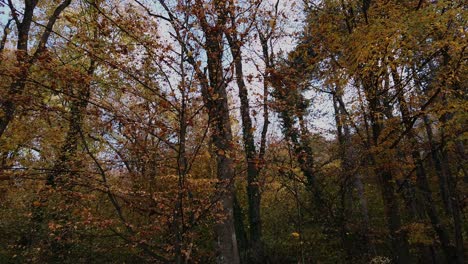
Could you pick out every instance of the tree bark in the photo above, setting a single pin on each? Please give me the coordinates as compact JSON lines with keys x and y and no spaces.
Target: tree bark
{"x":215,"y":97}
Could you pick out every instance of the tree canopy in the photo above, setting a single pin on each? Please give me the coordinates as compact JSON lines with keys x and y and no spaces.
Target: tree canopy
{"x":236,"y":131}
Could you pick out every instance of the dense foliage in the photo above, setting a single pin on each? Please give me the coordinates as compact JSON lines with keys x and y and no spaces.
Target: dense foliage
{"x":235,"y":131}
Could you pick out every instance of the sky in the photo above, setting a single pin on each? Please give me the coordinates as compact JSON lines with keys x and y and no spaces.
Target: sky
{"x":3,"y":14}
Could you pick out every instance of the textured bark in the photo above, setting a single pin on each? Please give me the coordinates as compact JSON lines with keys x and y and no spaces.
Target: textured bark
{"x":68,"y":150}
{"x":227,"y":251}
{"x":269,"y":64}
{"x":215,"y":97}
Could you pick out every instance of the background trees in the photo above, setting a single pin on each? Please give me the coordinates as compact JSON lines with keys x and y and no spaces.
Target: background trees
{"x":233,"y":131}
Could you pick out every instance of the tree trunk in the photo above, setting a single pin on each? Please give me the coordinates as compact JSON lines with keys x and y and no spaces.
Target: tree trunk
{"x":241,"y":234}
{"x":351,"y":179}
{"x":398,"y":236}
{"x":422,"y":182}
{"x":215,"y":97}
{"x":441,"y":173}
{"x":253,"y":163}
{"x":456,"y":211}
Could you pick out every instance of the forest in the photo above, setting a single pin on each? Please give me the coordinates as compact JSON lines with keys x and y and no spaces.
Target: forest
{"x":233,"y":131}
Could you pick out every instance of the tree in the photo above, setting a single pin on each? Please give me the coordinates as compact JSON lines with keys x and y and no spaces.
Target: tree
{"x":24,"y":60}
{"x":207,"y":131}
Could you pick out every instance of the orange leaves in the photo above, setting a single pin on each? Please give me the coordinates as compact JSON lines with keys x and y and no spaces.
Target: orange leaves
{"x":221,"y":152}
{"x":295,"y":235}
{"x":54,"y":226}
{"x":164,"y":104}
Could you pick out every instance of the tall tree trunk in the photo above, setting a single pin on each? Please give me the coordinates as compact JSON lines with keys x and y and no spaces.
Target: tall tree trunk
{"x":422,"y":182}
{"x":398,"y":236}
{"x":345,"y":179}
{"x":452,"y":180}
{"x":452,"y":190}
{"x":214,"y":93}
{"x":441,"y":173}
{"x":182,"y":168}
{"x":350,"y":180}
{"x":253,"y":163}
{"x":227,"y":251}
{"x":456,"y":210}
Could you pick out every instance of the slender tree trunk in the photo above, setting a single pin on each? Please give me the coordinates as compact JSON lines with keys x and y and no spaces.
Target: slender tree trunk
{"x":452,"y":180}
{"x":422,"y":182}
{"x":253,"y":163}
{"x":456,"y":211}
{"x":346,"y":178}
{"x":365,"y":228}
{"x":351,"y":166}
{"x":182,"y":171}
{"x":441,"y":173}
{"x":453,"y":194}
{"x":350,"y":180}
{"x":398,"y":236}
{"x":457,"y":222}
{"x":241,"y":234}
